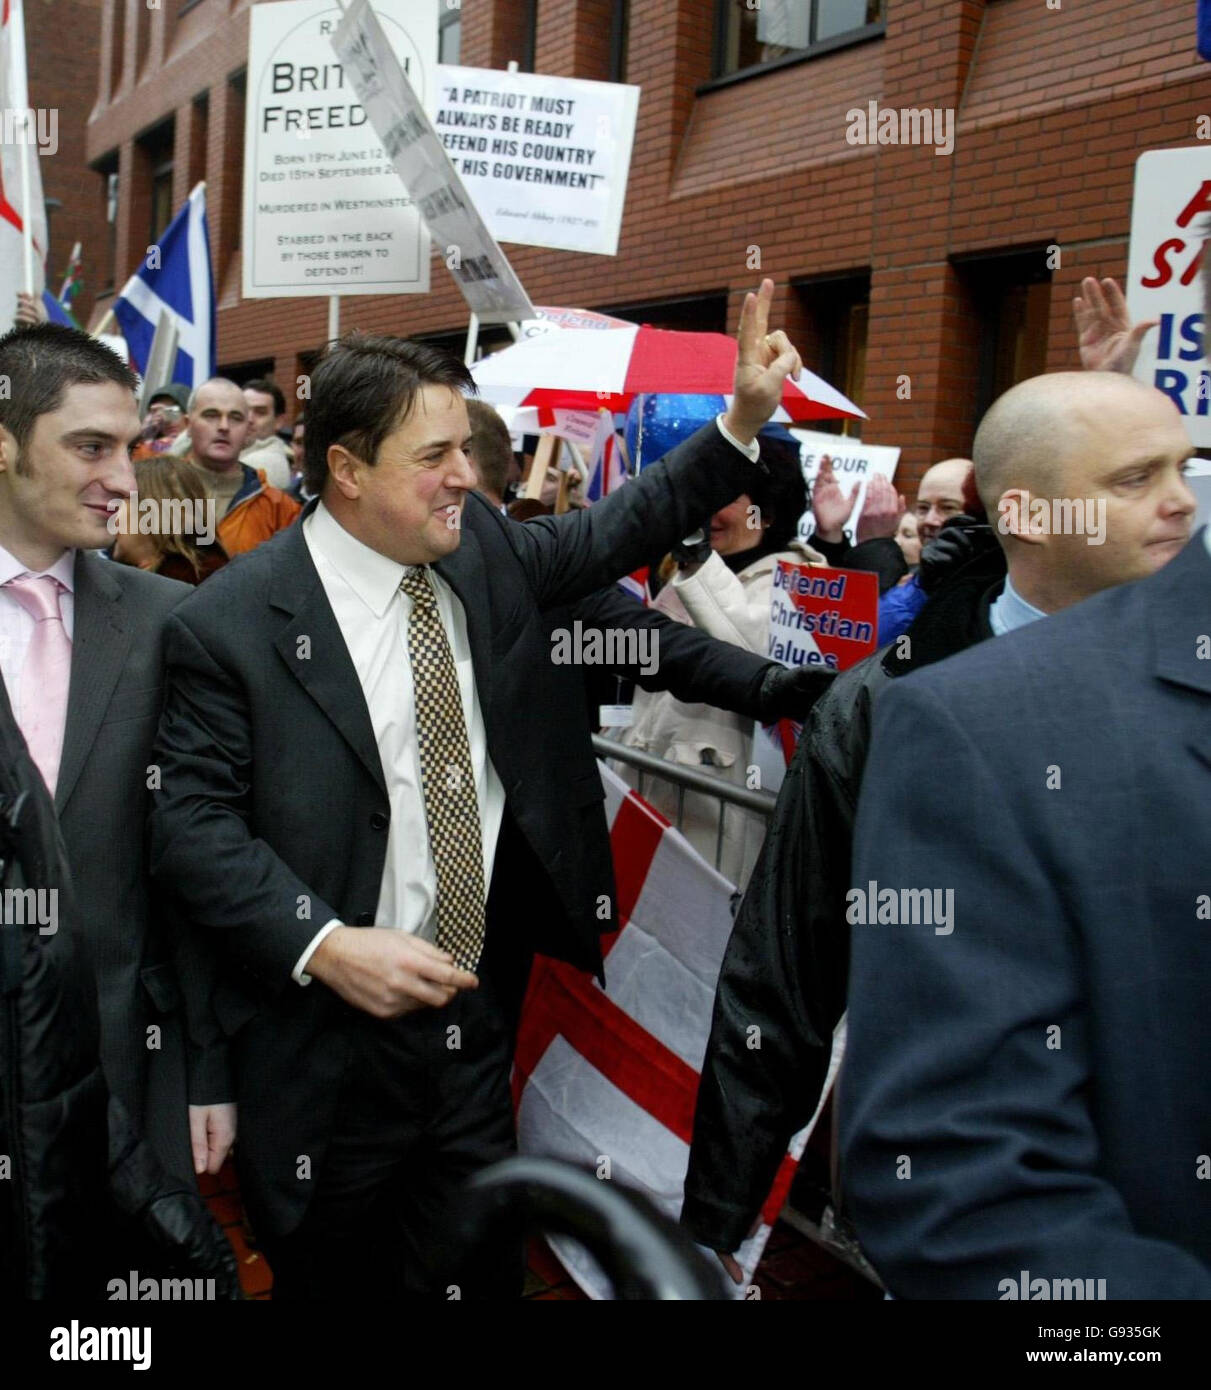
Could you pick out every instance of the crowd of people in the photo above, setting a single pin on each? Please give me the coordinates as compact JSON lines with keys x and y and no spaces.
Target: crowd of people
{"x":267,"y":752}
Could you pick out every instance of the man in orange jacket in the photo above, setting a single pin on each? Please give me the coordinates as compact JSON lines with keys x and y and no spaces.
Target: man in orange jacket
{"x":249,"y":509}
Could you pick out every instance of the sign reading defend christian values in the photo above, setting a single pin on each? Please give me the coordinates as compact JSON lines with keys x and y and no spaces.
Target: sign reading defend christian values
{"x":397,"y":113}
{"x":545,"y":158}
{"x":854,"y":464}
{"x":324,"y":212}
{"x":1171,"y":203}
{"x":823,"y":617}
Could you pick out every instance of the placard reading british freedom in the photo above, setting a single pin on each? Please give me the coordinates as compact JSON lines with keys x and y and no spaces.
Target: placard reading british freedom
{"x":324,"y":211}
{"x":396,"y":111}
{"x":545,"y":158}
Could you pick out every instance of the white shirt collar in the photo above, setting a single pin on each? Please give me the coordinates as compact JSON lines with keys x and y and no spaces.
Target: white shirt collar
{"x":373,"y":577}
{"x":63,"y":569}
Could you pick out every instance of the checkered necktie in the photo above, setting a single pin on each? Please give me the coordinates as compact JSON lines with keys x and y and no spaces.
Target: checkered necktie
{"x":451,"y":806}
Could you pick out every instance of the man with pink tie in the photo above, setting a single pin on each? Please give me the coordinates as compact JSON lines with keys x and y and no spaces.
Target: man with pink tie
{"x":80,"y":653}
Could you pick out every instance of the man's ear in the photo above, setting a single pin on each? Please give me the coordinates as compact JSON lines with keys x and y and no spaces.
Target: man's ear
{"x":8,"y":449}
{"x":345,"y":469}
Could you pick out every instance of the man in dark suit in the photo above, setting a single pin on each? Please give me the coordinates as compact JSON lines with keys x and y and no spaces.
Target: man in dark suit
{"x":1025,"y":1101}
{"x":377,"y":804}
{"x":81,"y":647}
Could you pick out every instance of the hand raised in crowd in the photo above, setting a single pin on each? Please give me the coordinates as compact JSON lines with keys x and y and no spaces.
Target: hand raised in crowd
{"x":831,"y":505}
{"x":30,"y":310}
{"x":385,"y":972}
{"x":763,"y":362}
{"x":882,"y":510}
{"x":1109,"y":342}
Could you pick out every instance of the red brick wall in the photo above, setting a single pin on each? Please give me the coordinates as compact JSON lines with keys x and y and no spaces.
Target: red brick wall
{"x":63,"y":56}
{"x":1053,"y":108}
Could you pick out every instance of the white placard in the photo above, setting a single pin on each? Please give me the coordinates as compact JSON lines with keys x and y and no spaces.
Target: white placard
{"x":545,"y":158}
{"x":853,"y":463}
{"x":397,"y":113}
{"x":324,"y":212}
{"x":1171,"y":203}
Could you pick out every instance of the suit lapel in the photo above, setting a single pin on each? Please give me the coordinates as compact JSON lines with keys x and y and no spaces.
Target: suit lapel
{"x":101,"y":639}
{"x":314,"y":650}
{"x":465,"y":572}
{"x":1179,"y":598}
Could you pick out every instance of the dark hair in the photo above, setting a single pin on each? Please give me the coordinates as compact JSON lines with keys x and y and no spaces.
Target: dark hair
{"x":39,"y":362}
{"x":782,"y":494}
{"x":362,"y":388}
{"x":267,"y":388}
{"x":491,"y":447}
{"x":299,"y":419}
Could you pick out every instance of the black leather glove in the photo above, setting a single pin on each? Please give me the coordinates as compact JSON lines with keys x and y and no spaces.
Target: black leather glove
{"x":694,"y":550}
{"x":171,"y":1216}
{"x":789,"y":692}
{"x":960,"y":538}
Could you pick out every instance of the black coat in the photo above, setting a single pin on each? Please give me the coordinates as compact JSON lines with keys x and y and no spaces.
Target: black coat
{"x":272,"y":814}
{"x":1042,"y":1065}
{"x":787,"y":961}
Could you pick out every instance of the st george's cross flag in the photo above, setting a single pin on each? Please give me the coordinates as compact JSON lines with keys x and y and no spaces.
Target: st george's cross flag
{"x":19,"y":146}
{"x":612,"y":1074}
{"x":174,"y":278}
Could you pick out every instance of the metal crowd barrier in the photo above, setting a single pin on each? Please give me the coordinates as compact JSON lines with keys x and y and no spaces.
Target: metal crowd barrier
{"x":688,"y":779}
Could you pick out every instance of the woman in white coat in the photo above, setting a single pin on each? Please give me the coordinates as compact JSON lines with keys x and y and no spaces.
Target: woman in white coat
{"x":723,"y":587}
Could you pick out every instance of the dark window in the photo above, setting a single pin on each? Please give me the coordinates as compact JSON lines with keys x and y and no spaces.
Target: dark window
{"x":1011,"y":297}
{"x":107,"y":171}
{"x":837,"y":313}
{"x":620,"y":35}
{"x":752,"y":35}
{"x":530,"y":42}
{"x":705,"y":313}
{"x":156,"y":151}
{"x":449,"y":35}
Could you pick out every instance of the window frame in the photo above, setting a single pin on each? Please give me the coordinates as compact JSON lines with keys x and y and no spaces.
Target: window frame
{"x":865,"y":34}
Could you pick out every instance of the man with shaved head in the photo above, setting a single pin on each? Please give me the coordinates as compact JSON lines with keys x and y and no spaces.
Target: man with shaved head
{"x":1120,"y":449}
{"x":250,"y":510}
{"x":1036,"y":1064}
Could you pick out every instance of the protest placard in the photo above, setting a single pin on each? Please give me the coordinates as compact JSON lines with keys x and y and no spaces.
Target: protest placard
{"x":324,"y":212}
{"x":822,"y":617}
{"x":396,"y":111}
{"x":854,"y":463}
{"x":1171,"y":203}
{"x":545,"y":158}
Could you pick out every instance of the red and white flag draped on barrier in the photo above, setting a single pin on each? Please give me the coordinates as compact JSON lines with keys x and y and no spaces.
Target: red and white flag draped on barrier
{"x":19,"y":148}
{"x":613,"y":1074}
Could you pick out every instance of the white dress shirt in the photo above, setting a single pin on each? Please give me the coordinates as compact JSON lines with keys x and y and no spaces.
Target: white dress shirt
{"x":363,"y":588}
{"x":17,"y":626}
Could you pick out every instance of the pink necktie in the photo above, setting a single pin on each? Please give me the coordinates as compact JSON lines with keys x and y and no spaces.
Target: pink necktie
{"x":47,"y":673}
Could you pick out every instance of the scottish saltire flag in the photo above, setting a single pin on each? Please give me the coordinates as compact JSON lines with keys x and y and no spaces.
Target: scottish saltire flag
{"x":57,"y":311}
{"x":14,"y":100}
{"x":175,"y":279}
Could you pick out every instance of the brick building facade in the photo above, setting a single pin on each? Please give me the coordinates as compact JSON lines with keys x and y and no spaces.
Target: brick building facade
{"x":924,"y":282}
{"x":62,"y":41}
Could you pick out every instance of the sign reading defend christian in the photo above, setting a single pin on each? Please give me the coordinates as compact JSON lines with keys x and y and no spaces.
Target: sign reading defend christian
{"x":545,"y":158}
{"x":823,"y":617}
{"x":1170,"y":206}
{"x":324,"y":212}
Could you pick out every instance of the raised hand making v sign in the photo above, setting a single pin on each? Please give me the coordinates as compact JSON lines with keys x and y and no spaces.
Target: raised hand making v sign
{"x":763,"y":363}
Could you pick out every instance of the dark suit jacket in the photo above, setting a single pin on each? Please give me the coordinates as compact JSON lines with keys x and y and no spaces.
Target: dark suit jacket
{"x":1044,"y":1066}
{"x":102,"y":800}
{"x":272,"y":816}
